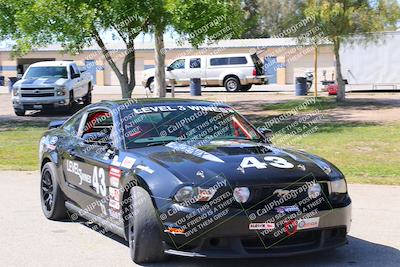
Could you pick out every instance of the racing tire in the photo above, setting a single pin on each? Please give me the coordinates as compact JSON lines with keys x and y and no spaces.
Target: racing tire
{"x":144,"y":231}
{"x":51,"y":197}
{"x":245,"y":88}
{"x":19,"y":112}
{"x":88,"y":98}
{"x":232,"y":84}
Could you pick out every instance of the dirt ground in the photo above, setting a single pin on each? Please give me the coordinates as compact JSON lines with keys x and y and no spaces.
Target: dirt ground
{"x":360,"y":107}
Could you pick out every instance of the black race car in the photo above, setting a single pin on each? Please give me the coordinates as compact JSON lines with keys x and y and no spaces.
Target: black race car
{"x":190,"y":178}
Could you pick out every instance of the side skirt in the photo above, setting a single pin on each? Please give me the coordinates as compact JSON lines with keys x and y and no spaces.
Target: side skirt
{"x":95,"y":219}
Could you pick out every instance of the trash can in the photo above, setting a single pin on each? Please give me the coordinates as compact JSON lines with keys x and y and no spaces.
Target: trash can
{"x":195,"y":86}
{"x":301,"y":86}
{"x":11,"y":81}
{"x":1,"y":80}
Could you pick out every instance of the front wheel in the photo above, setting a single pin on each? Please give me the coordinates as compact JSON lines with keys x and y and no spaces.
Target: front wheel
{"x":19,"y":112}
{"x":232,"y":84}
{"x":144,"y":233}
{"x":51,"y":196}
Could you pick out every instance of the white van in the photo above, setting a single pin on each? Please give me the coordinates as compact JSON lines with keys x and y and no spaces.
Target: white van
{"x":236,"y":72}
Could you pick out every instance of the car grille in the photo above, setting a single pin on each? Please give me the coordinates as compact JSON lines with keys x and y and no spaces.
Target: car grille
{"x":37,"y":92}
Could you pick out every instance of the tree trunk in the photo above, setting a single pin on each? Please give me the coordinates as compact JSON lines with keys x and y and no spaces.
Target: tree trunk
{"x":341,"y":94}
{"x":160,"y":84}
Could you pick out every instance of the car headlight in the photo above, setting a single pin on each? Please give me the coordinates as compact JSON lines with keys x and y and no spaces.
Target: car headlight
{"x":194,"y":194}
{"x":314,"y":191}
{"x":241,"y":194}
{"x":15,"y":91}
{"x":339,"y":186}
{"x":60,"y":91}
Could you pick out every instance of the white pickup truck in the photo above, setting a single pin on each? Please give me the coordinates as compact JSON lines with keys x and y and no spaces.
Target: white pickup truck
{"x":236,"y":72}
{"x":51,"y":84}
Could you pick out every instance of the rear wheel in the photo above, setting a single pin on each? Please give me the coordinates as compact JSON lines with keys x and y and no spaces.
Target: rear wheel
{"x":245,"y":88}
{"x":19,"y":112}
{"x":51,"y":196}
{"x":88,"y":98}
{"x":232,"y":84}
{"x":144,"y":231}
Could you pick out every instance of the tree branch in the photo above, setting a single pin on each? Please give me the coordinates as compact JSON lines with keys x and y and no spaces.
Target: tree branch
{"x":107,"y":54}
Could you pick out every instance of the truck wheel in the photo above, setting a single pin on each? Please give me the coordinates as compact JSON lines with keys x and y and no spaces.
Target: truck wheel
{"x":51,"y":196}
{"x":245,"y":88}
{"x":19,"y":112}
{"x":150,"y":85}
{"x":232,"y":84}
{"x":88,"y":98}
{"x":144,"y":233}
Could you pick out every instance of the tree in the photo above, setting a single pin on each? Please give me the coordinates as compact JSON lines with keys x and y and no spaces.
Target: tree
{"x":196,"y":22}
{"x":76,"y":24}
{"x":351,"y":20}
{"x":266,"y":18}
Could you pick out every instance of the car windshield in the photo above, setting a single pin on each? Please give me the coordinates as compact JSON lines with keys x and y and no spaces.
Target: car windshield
{"x":192,"y":124}
{"x":47,"y":72}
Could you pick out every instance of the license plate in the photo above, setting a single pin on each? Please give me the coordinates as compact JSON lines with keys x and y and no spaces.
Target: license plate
{"x":261,"y":226}
{"x":37,"y":106}
{"x":307,"y":223}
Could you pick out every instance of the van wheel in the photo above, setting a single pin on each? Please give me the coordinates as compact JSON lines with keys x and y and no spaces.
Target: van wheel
{"x":232,"y":84}
{"x":245,"y":88}
{"x":144,"y":232}
{"x":19,"y":112}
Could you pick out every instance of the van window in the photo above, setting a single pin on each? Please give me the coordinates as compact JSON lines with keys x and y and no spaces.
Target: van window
{"x":178,"y":64}
{"x":195,"y":63}
{"x":237,"y":60}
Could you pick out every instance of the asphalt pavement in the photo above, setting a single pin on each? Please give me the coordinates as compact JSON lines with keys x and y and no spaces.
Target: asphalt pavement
{"x":28,"y":239}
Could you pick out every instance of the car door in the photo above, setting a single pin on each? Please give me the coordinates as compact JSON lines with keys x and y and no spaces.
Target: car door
{"x":88,"y":164}
{"x":178,"y":71}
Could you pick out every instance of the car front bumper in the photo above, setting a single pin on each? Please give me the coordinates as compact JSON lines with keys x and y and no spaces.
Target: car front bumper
{"x":231,"y":237}
{"x":37,"y":103}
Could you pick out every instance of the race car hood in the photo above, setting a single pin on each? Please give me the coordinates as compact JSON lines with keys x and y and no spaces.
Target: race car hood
{"x":240,"y":162}
{"x":41,"y":82}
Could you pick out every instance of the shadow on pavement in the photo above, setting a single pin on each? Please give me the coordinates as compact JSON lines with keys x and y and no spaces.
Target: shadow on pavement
{"x":358,"y":252}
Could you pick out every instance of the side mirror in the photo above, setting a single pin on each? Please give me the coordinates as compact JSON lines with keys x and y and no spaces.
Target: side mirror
{"x":169,"y":68}
{"x":75,"y":75}
{"x":267,"y":133}
{"x":55,"y":124}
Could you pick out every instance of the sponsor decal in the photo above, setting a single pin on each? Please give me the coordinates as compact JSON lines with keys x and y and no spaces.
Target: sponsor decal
{"x":194,"y":151}
{"x":287,"y":209}
{"x":307,"y":223}
{"x":283,"y":192}
{"x":156,"y":109}
{"x":291,"y":227}
{"x":145,"y":168}
{"x":128,"y":162}
{"x":114,"y":193}
{"x":115,"y":175}
{"x":261,"y":226}
{"x":115,"y":161}
{"x":114,"y":204}
{"x":73,"y":167}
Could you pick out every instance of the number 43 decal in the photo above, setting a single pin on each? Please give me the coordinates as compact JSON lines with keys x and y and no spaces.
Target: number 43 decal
{"x":252,"y":162}
{"x":99,"y":181}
